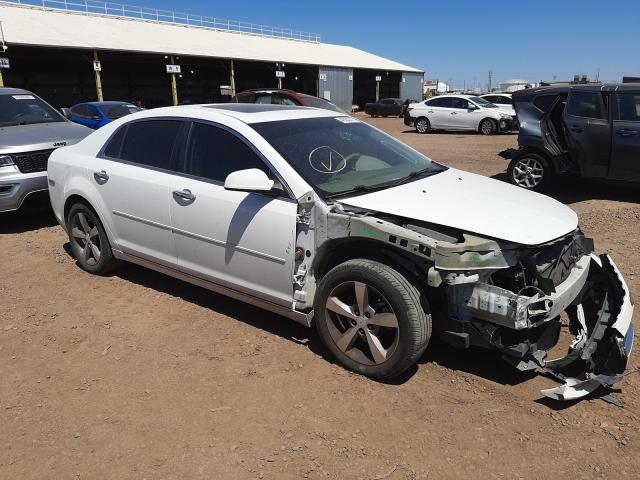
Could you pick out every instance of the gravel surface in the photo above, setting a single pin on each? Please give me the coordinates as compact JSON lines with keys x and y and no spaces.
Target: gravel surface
{"x":137,"y":375}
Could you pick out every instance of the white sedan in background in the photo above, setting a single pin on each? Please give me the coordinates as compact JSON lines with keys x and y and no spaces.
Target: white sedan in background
{"x":331,"y":222}
{"x":458,"y":112}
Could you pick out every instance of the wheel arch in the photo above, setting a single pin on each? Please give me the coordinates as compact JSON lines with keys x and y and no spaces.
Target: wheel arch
{"x":495,"y":122}
{"x":337,"y":251}
{"x":540,"y":152}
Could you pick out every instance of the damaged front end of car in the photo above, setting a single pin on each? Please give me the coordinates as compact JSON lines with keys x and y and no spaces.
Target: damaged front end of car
{"x":516,"y":298}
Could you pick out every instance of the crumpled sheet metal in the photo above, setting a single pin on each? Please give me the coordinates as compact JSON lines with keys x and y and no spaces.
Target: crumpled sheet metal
{"x":575,"y":388}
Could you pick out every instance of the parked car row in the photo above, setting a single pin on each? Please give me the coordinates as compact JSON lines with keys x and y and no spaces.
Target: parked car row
{"x":459,"y":112}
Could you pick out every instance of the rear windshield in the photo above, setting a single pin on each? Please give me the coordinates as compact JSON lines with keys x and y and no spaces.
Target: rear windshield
{"x":25,"y":109}
{"x":316,"y":102}
{"x":482,"y":102}
{"x":119,"y":111}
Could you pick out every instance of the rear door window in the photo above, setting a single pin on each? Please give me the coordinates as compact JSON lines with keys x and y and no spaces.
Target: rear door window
{"x":629,"y":107}
{"x":150,"y":143}
{"x":544,"y":102}
{"x":586,"y":105}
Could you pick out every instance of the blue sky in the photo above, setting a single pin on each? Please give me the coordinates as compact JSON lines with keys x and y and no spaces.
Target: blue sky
{"x":462,"y":40}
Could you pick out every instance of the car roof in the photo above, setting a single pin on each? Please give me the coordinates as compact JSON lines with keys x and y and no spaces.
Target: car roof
{"x":98,"y":104}
{"x":13,"y":91}
{"x":455,"y":95}
{"x":245,"y":112}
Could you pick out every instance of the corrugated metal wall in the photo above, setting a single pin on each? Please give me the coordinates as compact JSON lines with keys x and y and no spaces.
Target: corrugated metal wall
{"x":336,"y":85}
{"x":411,"y":86}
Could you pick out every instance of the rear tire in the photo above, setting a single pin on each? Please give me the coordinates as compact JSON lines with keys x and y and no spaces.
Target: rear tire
{"x":89,"y":242}
{"x":423,"y":125}
{"x":488,"y":126}
{"x":530,"y":171}
{"x":390,"y":335}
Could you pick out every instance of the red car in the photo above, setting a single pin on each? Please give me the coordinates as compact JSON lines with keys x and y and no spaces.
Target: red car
{"x":277,"y":96}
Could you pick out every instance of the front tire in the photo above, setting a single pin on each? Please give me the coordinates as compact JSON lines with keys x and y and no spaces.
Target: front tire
{"x":530,"y":171}
{"x":488,"y":127}
{"x":371,"y":318}
{"x":423,"y":125}
{"x":88,"y":240}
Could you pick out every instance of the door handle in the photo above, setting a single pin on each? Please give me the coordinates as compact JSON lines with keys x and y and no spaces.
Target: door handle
{"x":576,"y":129}
{"x":454,"y":113}
{"x":184,"y":195}
{"x":626,"y":132}
{"x":101,"y":176}
{"x":430,"y":111}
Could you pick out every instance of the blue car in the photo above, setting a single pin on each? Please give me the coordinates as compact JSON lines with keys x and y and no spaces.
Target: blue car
{"x":96,"y":114}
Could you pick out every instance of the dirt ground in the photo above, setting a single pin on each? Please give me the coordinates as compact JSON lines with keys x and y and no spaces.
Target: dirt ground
{"x":141,"y":376}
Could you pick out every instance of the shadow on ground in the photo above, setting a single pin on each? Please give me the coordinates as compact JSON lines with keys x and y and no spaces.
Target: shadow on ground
{"x":572,"y":190}
{"x":35,"y":213}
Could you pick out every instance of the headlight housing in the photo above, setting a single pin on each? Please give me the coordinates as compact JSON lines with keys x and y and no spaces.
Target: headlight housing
{"x":6,"y":161}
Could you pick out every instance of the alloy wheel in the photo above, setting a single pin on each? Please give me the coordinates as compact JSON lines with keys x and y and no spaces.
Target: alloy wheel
{"x":528,"y":172}
{"x":421,"y":125}
{"x":487,"y":127}
{"x":362,"y":323}
{"x":86,"y":237}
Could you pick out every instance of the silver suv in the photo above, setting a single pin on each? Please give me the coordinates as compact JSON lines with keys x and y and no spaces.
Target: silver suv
{"x":30,"y":129}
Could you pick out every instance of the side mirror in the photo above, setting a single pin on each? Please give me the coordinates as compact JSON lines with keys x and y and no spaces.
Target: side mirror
{"x":472,"y":106}
{"x":249,"y":180}
{"x":66,"y":112}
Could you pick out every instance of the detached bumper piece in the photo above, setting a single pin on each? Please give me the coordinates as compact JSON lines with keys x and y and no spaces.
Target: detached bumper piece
{"x":604,"y":335}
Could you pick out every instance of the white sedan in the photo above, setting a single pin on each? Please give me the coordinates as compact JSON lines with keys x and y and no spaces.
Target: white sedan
{"x":326,"y":220}
{"x":458,"y":112}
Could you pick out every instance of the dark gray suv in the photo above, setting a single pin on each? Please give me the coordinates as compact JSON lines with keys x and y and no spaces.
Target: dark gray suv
{"x":591,"y":131}
{"x":30,"y":129}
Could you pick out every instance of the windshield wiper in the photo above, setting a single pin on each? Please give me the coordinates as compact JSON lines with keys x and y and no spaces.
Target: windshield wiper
{"x":393,"y":183}
{"x":414,"y":174}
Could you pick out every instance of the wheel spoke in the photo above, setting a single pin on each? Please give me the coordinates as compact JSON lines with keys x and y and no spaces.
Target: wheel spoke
{"x":95,"y":251}
{"x":93,"y":232}
{"x":83,"y":222}
{"x":86,"y":252}
{"x":347,"y":339}
{"x":362,"y":296}
{"x":384,"y":320}
{"x":378,"y":352}
{"x":338,"y":306}
{"x":77,"y":233}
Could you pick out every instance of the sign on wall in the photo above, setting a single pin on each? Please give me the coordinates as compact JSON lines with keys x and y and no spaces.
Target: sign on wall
{"x":378,"y":78}
{"x":96,"y":66}
{"x":173,"y":68}
{"x":351,"y":78}
{"x":4,"y":62}
{"x":323,"y":76}
{"x":279,"y":73}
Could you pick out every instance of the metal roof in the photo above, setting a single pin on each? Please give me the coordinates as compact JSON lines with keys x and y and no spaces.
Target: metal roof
{"x":36,"y":26}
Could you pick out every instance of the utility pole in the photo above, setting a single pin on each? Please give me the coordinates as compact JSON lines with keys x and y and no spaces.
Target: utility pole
{"x":233,"y":79}
{"x":174,"y":86}
{"x":490,"y":78}
{"x":97,"y":68}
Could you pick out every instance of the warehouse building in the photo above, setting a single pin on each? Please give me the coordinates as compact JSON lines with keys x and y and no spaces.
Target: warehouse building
{"x":70,"y":51}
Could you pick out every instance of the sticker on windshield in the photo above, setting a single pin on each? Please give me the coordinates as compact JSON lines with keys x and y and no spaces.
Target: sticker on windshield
{"x":326,"y":160}
{"x":24,"y":97}
{"x":347,"y":120}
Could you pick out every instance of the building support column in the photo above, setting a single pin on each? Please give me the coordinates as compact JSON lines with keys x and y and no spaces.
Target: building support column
{"x":377,"y":91}
{"x":98,"y":78}
{"x":174,"y":86}
{"x":1,"y":79}
{"x":233,"y":79}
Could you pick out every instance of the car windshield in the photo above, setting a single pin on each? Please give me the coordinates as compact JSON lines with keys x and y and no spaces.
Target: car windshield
{"x":25,"y":109}
{"x":341,"y":155}
{"x":482,"y":102}
{"x":119,"y":110}
{"x":316,"y":102}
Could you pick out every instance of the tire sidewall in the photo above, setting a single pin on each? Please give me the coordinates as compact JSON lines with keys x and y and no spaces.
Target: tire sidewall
{"x":106,"y":255}
{"x":404,"y":313}
{"x":547,"y":172}
{"x":428,"y":126}
{"x":492,"y":122}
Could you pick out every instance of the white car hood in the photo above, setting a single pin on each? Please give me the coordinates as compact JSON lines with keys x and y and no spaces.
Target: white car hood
{"x":474,"y":204}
